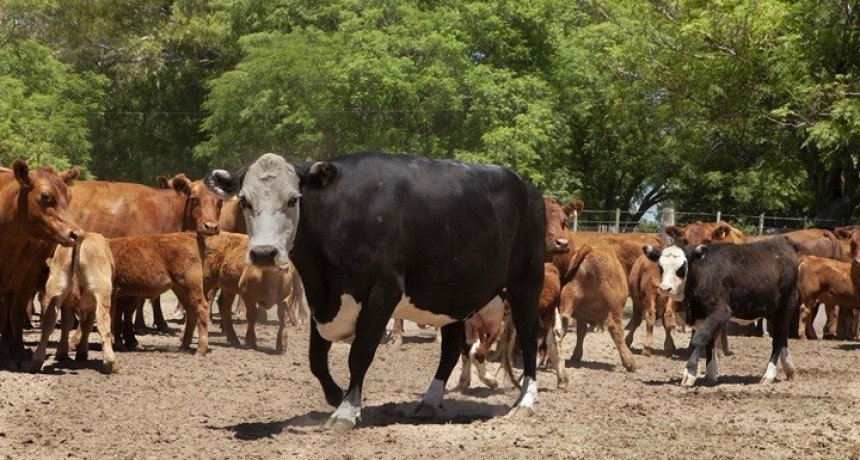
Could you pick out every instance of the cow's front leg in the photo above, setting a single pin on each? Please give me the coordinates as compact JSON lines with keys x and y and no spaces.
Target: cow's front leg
{"x":318,"y":349}
{"x":452,"y":344}
{"x":703,"y":337}
{"x":369,"y":329}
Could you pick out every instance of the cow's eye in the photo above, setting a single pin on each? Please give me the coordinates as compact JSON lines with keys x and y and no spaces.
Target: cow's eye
{"x":244,"y":204}
{"x":292,"y":202}
{"x":682,"y":272}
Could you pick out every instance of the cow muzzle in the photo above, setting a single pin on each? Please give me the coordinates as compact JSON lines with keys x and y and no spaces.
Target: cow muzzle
{"x":209,"y":228}
{"x":263,"y":255}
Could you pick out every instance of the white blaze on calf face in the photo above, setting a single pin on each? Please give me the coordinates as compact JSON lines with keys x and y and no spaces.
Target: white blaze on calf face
{"x":673,"y":268}
{"x":270,"y":201}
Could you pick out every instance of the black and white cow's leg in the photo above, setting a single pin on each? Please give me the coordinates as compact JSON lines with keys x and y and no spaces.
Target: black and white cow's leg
{"x":524,"y":313}
{"x":318,"y":349}
{"x":780,"y":349}
{"x":369,"y":329}
{"x":465,"y":361}
{"x":452,"y":345}
{"x":712,"y":372}
{"x":703,"y":337}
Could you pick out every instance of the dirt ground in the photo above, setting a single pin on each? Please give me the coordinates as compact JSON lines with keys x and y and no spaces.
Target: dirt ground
{"x":255,"y":404}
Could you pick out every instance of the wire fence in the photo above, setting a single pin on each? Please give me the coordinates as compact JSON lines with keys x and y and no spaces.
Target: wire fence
{"x":618,"y":221}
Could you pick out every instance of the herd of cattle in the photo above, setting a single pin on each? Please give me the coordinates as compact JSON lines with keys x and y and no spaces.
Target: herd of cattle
{"x":472,"y":249}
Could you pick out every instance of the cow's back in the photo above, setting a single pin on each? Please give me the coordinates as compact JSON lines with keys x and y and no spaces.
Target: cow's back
{"x":745,"y":275}
{"x":456,"y":232}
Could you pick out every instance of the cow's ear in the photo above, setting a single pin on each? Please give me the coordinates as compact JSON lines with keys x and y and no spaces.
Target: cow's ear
{"x":721,"y":231}
{"x":575,"y":204}
{"x":700,"y":251}
{"x":651,"y":253}
{"x":162,"y":182}
{"x":22,"y":172}
{"x":842,"y":233}
{"x":674,"y":232}
{"x":225,"y":183}
{"x":319,"y":175}
{"x":69,"y":176}
{"x":181,"y":184}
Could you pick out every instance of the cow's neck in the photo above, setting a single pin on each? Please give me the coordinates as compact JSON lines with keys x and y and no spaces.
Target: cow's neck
{"x":12,"y":225}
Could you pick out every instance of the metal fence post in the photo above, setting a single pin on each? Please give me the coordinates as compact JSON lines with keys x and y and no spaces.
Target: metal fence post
{"x":719,"y":215}
{"x":617,"y":220}
{"x":575,"y":220}
{"x":761,"y":224}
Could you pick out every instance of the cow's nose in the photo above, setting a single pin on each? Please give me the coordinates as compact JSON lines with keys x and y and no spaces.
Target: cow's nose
{"x":663,"y":290}
{"x":210,"y":227}
{"x":562,"y":243}
{"x":75,"y":235}
{"x":263,"y":254}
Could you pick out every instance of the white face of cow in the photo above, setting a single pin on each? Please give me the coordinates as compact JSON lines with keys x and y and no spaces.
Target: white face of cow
{"x":269,"y":198}
{"x":673,"y":272}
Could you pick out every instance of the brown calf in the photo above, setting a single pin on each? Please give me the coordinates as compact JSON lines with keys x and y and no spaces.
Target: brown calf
{"x":594,"y":289}
{"x":80,"y":282}
{"x":821,"y":279}
{"x":642,"y":283}
{"x":258,"y":288}
{"x":147,"y":266}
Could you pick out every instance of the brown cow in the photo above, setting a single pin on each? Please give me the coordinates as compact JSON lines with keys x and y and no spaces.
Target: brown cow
{"x":594,"y":289}
{"x":257,"y":287}
{"x":642,"y":283}
{"x":81,"y":283}
{"x":700,"y":232}
{"x":34,"y":217}
{"x":552,"y":330}
{"x":147,"y":266}
{"x":119,"y":209}
{"x":821,"y":279}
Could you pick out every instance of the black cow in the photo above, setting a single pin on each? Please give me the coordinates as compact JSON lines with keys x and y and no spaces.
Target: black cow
{"x":740,"y":283}
{"x":427,"y":240}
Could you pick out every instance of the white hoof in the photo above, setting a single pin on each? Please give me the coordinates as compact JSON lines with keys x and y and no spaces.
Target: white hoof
{"x":688,"y":379}
{"x":340,"y":424}
{"x":520,"y":412}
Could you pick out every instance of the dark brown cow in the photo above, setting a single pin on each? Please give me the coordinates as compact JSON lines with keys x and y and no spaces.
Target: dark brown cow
{"x":648,"y":302}
{"x":34,"y":217}
{"x":118,"y":209}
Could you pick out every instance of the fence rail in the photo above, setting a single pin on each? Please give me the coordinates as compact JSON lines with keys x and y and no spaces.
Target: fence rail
{"x":618,"y":221}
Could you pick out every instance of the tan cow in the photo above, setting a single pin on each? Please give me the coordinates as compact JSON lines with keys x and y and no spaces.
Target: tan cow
{"x":34,"y":217}
{"x":821,"y":279}
{"x":258,"y":288}
{"x":80,"y":282}
{"x":642,"y":283}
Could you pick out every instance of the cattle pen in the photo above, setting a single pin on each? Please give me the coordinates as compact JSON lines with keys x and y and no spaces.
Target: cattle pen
{"x":239,"y":403}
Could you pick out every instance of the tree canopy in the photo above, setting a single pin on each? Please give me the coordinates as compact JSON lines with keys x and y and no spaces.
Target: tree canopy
{"x":739,"y":106}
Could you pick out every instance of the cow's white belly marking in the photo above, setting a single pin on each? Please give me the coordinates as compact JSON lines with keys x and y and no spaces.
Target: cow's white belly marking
{"x":342,"y":326}
{"x":406,"y":310}
{"x":742,"y":322}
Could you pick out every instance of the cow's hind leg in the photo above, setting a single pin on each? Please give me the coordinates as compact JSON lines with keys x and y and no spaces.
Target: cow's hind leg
{"x":103,"y":321}
{"x":49,"y":323}
{"x":523,"y":300}
{"x":158,"y":315}
{"x":452,"y":345}
{"x":613,"y":324}
{"x":87,"y":320}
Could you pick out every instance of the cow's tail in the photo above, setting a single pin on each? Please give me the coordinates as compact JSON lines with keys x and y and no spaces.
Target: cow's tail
{"x":575,"y":262}
{"x":506,"y":343}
